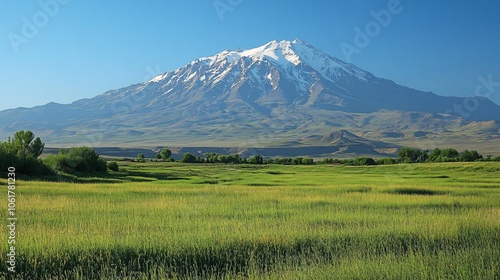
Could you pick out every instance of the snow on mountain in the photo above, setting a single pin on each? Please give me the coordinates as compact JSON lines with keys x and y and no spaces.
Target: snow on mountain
{"x":280,"y":73}
{"x":287,"y":87}
{"x":286,"y":55}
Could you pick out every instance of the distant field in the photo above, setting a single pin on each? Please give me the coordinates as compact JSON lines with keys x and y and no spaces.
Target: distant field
{"x":179,"y":221}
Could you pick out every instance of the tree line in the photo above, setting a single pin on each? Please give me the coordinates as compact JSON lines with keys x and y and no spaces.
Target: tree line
{"x":405,"y":155}
{"x":414,"y":155}
{"x":165,"y":155}
{"x":23,"y":152}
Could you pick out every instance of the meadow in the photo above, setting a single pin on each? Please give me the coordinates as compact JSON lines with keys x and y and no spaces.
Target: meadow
{"x":182,"y":221}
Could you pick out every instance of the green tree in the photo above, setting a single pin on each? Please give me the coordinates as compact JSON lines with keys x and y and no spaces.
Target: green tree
{"x":165,"y":153}
{"x":364,"y":161}
{"x":211,"y":157}
{"x":258,"y":159}
{"x":235,"y":158}
{"x":470,"y":156}
{"x":188,"y":158}
{"x":22,"y":152}
{"x":450,"y":154}
{"x":434,"y":155}
{"x":141,"y":157}
{"x":297,"y":160}
{"x":411,"y":155}
{"x":308,"y":161}
{"x":24,"y":145}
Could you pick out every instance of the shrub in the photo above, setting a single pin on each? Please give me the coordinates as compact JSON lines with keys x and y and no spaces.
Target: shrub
{"x":7,"y":160}
{"x":411,"y":155}
{"x":141,"y":158}
{"x":284,"y":161}
{"x":360,"y":161}
{"x":188,"y":158}
{"x":258,"y":159}
{"x":113,"y":166}
{"x":81,"y":159}
{"x":308,"y":161}
{"x":330,"y":161}
{"x":33,"y":167}
{"x":385,"y":161}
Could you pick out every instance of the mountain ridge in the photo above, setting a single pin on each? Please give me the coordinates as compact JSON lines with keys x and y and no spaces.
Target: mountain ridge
{"x":278,"y":93}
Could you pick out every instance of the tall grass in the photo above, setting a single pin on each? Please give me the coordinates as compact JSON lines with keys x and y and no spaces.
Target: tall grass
{"x":175,"y":221}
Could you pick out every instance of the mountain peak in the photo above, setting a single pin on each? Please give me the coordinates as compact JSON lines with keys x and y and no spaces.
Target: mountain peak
{"x":286,"y":55}
{"x":298,"y":41}
{"x":339,"y":135}
{"x":283,"y":89}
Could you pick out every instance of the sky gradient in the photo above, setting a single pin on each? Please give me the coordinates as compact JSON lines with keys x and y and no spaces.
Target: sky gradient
{"x":65,"y":50}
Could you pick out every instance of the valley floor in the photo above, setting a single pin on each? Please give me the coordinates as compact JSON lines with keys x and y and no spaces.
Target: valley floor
{"x":181,"y":221}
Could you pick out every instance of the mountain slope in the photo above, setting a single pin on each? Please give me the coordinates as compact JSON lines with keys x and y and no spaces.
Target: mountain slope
{"x":275,"y":94}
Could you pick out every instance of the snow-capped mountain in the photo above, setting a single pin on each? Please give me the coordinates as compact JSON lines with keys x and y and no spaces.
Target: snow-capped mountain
{"x":288,"y":73}
{"x":287,"y":89}
{"x":297,"y":60}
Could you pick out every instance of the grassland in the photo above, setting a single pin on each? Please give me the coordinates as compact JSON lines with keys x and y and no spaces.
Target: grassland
{"x":161,"y":221}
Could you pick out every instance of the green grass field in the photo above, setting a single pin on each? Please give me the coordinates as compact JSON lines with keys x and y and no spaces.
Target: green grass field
{"x":163,"y":221}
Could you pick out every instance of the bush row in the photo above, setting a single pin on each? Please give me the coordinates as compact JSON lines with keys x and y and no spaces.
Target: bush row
{"x":23,"y":151}
{"x":405,"y":155}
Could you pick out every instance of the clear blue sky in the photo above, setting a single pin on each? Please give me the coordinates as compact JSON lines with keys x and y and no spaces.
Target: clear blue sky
{"x":84,"y":48}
